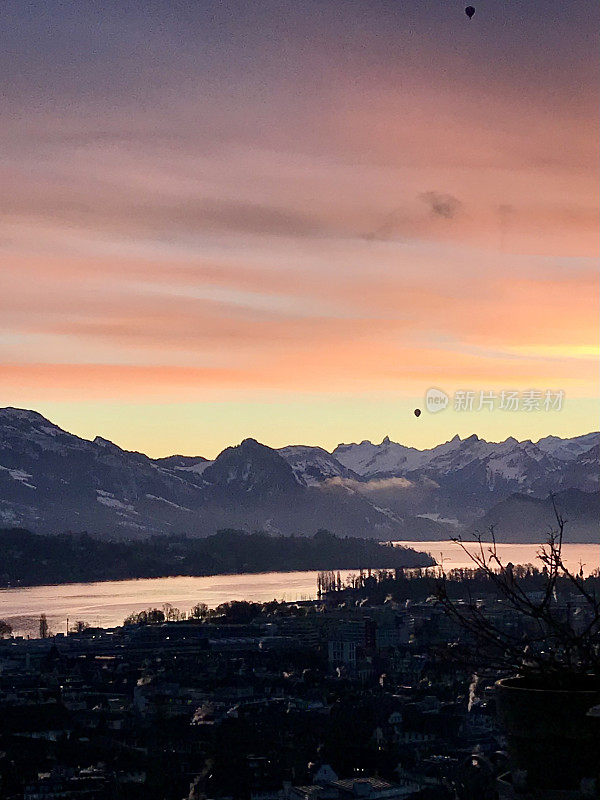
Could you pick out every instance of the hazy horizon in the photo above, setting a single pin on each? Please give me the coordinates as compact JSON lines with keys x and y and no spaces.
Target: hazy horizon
{"x":232,"y":443}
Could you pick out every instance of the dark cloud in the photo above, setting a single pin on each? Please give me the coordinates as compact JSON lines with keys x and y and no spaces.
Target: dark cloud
{"x":441,"y":205}
{"x":399,"y":220}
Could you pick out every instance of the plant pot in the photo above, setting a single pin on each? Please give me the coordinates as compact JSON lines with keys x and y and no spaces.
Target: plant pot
{"x":547,"y":730}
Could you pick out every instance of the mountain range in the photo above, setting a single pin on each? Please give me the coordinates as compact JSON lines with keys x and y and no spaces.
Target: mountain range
{"x":52,"y":481}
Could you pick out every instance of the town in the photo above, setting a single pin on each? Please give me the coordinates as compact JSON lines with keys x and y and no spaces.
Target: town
{"x":354,"y":694}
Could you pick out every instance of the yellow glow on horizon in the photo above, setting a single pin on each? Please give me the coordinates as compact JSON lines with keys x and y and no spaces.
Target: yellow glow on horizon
{"x":206,"y":428}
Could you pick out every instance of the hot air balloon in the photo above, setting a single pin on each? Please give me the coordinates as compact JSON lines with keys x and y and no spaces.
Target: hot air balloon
{"x":417,"y":412}
{"x":469,"y":11}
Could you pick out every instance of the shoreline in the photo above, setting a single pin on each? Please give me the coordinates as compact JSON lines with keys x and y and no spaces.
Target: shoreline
{"x":207,"y":575}
{"x":409,"y":544}
{"x":106,"y":603}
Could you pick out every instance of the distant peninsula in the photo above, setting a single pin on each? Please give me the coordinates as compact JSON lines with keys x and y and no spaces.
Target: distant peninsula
{"x":31,"y":559}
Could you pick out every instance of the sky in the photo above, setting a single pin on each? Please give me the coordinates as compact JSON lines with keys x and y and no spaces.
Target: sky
{"x":289,"y":219}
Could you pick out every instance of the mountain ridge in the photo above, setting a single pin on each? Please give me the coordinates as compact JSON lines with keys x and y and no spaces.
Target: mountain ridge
{"x":52,"y":481}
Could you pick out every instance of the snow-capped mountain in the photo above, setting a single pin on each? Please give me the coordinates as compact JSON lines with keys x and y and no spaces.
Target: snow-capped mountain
{"x":510,"y":465}
{"x":196,"y":464}
{"x":313,"y":465}
{"x":506,"y":465}
{"x":251,"y":467}
{"x":568,"y":449}
{"x":370,"y":460}
{"x":52,"y":481}
{"x":583,"y":471}
{"x":459,"y":480}
{"x":72,"y":483}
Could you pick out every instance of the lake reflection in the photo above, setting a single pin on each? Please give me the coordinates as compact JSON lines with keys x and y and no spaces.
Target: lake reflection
{"x":108,"y":603}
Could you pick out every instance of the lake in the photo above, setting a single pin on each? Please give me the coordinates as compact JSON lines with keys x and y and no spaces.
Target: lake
{"x":107,"y":603}
{"x":454,"y":557}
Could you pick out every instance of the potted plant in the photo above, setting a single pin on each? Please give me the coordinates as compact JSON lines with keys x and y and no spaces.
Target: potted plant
{"x":547,"y":658}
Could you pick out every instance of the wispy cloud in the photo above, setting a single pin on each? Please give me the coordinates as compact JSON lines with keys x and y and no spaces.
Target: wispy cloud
{"x":181,"y":215}
{"x":372,"y":486}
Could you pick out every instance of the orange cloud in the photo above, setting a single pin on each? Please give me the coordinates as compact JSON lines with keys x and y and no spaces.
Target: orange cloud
{"x":395,"y":225}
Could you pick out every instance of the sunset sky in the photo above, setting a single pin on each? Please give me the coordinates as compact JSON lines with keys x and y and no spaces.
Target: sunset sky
{"x":288,"y":219}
